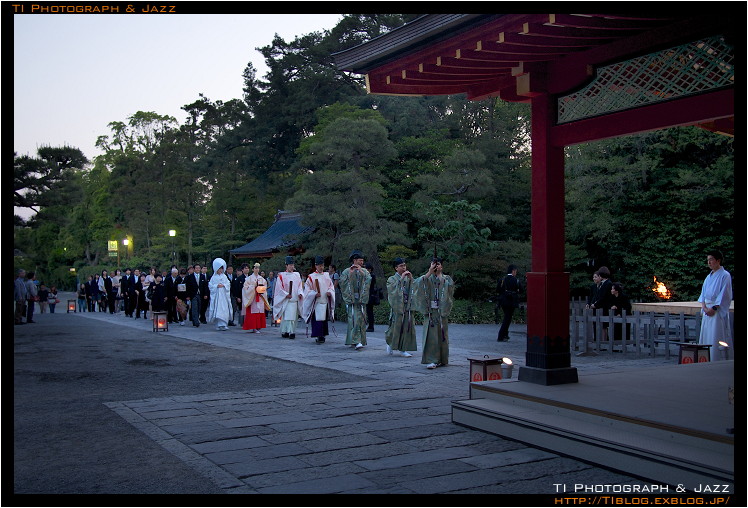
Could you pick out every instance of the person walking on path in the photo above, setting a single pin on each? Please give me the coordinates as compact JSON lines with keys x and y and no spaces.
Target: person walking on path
{"x":401,"y":332}
{"x":220,"y":310}
{"x":287,"y":298}
{"x":20,"y":295}
{"x":236,"y":291}
{"x":319,"y":301}
{"x":355,"y":283}
{"x":124,"y":288}
{"x":254,"y":301}
{"x":433,"y":296}
{"x":52,"y":300}
{"x":204,"y":294}
{"x":231,"y":276}
{"x":508,"y":289}
{"x":82,"y":298}
{"x":43,"y":298}
{"x":32,"y":296}
{"x":193,"y":294}
{"x":715,"y":298}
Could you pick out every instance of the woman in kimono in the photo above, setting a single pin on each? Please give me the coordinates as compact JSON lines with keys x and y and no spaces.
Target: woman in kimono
{"x":433,"y":296}
{"x":220,"y":309}
{"x":254,"y":301}
{"x":319,"y":301}
{"x":158,"y":295}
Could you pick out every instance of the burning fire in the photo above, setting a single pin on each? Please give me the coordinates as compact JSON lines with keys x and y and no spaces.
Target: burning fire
{"x":661,"y":290}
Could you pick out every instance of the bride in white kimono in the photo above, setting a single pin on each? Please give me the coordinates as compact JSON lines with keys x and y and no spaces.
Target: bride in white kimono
{"x":220,"y":296}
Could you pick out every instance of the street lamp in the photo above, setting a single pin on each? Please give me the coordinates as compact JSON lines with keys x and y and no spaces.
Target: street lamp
{"x":125,"y":242}
{"x":172,"y":234}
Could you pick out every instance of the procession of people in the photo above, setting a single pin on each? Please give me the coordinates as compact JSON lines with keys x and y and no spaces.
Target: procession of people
{"x":225,"y":298}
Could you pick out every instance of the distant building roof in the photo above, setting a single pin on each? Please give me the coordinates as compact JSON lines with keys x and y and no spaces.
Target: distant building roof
{"x":281,"y":234}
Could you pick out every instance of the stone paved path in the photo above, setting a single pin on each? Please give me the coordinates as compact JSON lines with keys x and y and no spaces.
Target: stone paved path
{"x":389,"y":434}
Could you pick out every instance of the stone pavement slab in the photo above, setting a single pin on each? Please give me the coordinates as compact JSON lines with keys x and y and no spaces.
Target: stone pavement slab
{"x":391,"y":433}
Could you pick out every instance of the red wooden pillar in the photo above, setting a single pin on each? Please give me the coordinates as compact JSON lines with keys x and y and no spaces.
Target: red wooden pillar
{"x":548,"y":356}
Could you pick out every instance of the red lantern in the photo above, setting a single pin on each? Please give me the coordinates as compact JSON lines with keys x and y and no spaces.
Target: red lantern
{"x":160,"y":324}
{"x":71,"y":306}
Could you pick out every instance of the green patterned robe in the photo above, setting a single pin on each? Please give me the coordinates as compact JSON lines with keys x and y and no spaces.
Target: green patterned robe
{"x":435,"y":322}
{"x":354,"y":288}
{"x":401,"y":334}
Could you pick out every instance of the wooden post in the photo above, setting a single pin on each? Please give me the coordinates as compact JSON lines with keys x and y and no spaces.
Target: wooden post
{"x":548,"y":357}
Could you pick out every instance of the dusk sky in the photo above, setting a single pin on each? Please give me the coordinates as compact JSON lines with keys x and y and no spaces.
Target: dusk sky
{"x":75,"y":73}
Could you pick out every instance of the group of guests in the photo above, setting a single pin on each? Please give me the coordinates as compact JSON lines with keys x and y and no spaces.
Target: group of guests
{"x":609,"y":297}
{"x":27,"y":293}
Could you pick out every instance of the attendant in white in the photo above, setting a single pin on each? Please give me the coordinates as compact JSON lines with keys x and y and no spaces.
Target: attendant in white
{"x":220,"y":296}
{"x":287,"y":299}
{"x":715,"y":298}
{"x":254,"y":301}
{"x":319,"y":300}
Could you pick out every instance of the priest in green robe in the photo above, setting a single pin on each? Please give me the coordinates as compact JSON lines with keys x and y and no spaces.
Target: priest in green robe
{"x":433,"y":296}
{"x":401,"y":333}
{"x":354,"y":287}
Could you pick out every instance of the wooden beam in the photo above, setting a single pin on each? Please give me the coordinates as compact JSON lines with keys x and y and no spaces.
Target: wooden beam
{"x":691,"y":110}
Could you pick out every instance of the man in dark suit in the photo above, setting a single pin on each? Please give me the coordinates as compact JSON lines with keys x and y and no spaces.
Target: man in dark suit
{"x":89,"y":294}
{"x":109,"y":289}
{"x":171,"y":294}
{"x":204,"y":294}
{"x":236,"y":290}
{"x":193,"y":294}
{"x":604,"y":296}
{"x":132,"y":291}
{"x":230,"y":275}
{"x":125,"y":283}
{"x":508,"y":289}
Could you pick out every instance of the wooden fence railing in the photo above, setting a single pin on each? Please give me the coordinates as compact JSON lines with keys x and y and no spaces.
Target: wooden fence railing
{"x":591,"y":332}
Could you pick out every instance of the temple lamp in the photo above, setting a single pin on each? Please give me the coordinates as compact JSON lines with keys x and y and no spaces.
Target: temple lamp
{"x":724,"y":350}
{"x":160,"y":323}
{"x":506,"y":368}
{"x":172,"y":234}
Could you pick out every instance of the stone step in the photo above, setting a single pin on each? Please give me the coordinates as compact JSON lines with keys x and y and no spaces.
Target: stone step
{"x":665,"y":454}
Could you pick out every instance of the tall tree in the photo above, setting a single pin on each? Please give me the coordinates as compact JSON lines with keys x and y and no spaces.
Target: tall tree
{"x":45,"y":180}
{"x":341,"y":193}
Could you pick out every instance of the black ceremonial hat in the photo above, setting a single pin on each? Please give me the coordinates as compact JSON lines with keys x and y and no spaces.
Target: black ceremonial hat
{"x":397,"y":261}
{"x":319,"y":260}
{"x":356,"y":254}
{"x":289,"y":260}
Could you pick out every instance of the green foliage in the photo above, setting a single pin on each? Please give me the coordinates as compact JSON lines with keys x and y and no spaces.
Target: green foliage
{"x":668,"y":198}
{"x":392,"y":176}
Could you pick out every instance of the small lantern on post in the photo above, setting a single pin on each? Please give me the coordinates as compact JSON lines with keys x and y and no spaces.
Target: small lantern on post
{"x":71,"y":306}
{"x":160,"y":323}
{"x":724,"y":350}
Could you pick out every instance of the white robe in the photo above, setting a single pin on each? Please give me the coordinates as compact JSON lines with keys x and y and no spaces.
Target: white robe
{"x":716,"y":290}
{"x":220,"y":309}
{"x":287,"y":309}
{"x":324,"y":306}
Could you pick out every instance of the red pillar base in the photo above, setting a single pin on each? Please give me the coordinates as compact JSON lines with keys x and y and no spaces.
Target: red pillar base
{"x":548,"y":376}
{"x":548,"y":356}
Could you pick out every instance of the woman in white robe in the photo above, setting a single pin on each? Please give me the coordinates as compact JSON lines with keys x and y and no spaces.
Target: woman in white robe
{"x":220,"y":296}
